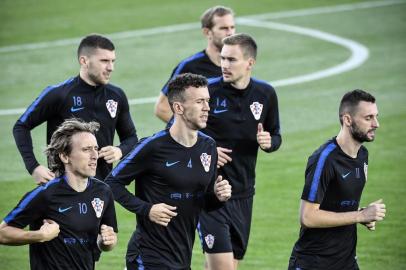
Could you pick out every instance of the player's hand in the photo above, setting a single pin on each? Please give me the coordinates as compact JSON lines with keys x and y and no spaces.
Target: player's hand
{"x":222,"y":189}
{"x":49,"y":230}
{"x":375,"y":211}
{"x":162,"y":213}
{"x":264,"y":138}
{"x":370,"y":225}
{"x":223,"y":157}
{"x":108,"y":236}
{"x":110,"y":153}
{"x":42,"y":175}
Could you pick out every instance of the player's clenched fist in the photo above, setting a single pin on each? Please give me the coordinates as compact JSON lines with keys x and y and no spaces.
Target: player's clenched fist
{"x":162,"y":213}
{"x":264,"y":138}
{"x":49,"y":230}
{"x":222,"y":189}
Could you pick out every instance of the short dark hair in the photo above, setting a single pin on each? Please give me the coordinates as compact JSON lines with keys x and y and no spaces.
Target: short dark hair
{"x":207,"y":18}
{"x":178,"y":85}
{"x":246,"y":43}
{"x":350,"y":101}
{"x":61,"y":141}
{"x":92,"y":42}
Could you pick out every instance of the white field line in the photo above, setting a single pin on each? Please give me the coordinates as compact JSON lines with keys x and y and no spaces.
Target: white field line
{"x":323,"y":10}
{"x":359,"y":52}
{"x":189,"y":26}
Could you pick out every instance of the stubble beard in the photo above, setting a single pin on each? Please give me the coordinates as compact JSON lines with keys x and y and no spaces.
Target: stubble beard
{"x":358,"y":135}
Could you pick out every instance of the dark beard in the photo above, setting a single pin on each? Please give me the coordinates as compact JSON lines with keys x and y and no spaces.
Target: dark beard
{"x":357,"y":134}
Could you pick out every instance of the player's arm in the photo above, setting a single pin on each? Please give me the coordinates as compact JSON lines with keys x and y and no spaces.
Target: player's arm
{"x":29,"y":210}
{"x":36,"y":114}
{"x":268,"y":135}
{"x":162,"y":109}
{"x":118,"y":180}
{"x":218,"y":190}
{"x":15,"y":236}
{"x":107,"y":238}
{"x":319,"y":172}
{"x":126,"y":132}
{"x":311,"y":216}
{"x":126,"y":171}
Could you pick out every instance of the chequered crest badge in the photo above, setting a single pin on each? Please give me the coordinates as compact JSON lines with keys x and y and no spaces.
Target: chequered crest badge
{"x":256,"y":109}
{"x":206,"y":160}
{"x":366,"y":171}
{"x":98,"y":206}
{"x":209,"y":241}
{"x":112,"y":107}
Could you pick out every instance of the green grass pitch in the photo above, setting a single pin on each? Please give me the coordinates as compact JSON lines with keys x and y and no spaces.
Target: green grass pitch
{"x":308,"y":110}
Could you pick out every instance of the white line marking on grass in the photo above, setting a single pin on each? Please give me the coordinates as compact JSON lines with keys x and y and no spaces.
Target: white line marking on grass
{"x":323,"y":10}
{"x":189,"y":26}
{"x":135,"y":101}
{"x":359,"y":53}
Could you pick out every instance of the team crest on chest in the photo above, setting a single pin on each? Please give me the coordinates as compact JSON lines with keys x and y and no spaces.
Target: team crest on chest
{"x":112,"y":107}
{"x":256,"y":109}
{"x":366,"y":171}
{"x":209,"y":241}
{"x":206,"y":160}
{"x":98,"y":206}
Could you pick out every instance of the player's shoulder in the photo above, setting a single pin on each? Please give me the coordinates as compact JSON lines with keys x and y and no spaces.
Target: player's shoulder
{"x":262,"y":85}
{"x":189,"y":62}
{"x":60,"y":89}
{"x":115,"y":90}
{"x":214,"y":81}
{"x":151,"y":142}
{"x":325,"y":152}
{"x":52,"y":183}
{"x":97,"y":182}
{"x":214,"y":84}
{"x":206,"y":138}
{"x":363,"y":152}
{"x":48,"y":188}
{"x":195,"y":57}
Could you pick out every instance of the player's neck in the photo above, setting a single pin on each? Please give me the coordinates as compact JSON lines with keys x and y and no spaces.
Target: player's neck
{"x":214,"y":54}
{"x":77,"y":183}
{"x":242,"y":83}
{"x":83,"y":76}
{"x":182,"y":134}
{"x":347,"y":143}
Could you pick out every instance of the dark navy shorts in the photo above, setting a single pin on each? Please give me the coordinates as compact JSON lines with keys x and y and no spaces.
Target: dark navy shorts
{"x":303,"y":264}
{"x":227,"y":229}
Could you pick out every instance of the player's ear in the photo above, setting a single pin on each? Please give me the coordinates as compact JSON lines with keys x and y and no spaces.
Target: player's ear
{"x":83,"y":60}
{"x":205,"y":31}
{"x":347,"y":120}
{"x":177,"y":108}
{"x":251,"y":63}
{"x":64,"y":158}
